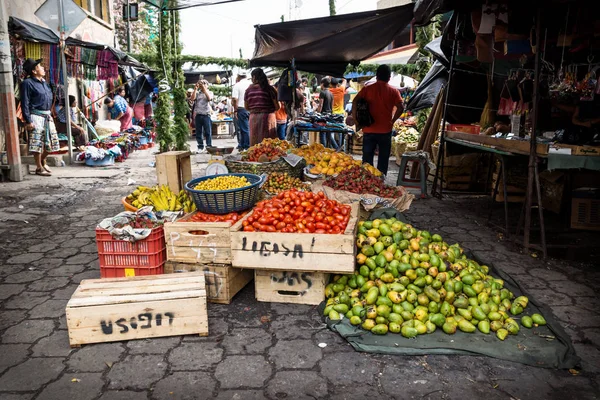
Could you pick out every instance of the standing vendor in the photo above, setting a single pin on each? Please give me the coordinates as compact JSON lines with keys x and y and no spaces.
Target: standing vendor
{"x":119,"y":109}
{"x":61,"y":125}
{"x":36,"y":102}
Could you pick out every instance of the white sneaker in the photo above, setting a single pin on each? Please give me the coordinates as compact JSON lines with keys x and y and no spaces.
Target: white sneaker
{"x":201,"y":151}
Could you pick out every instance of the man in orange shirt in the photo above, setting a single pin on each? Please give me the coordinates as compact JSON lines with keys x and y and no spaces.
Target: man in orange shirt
{"x":382,"y":99}
{"x":338,"y":91}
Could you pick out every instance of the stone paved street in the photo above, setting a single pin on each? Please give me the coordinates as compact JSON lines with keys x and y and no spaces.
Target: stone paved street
{"x":254,"y":350}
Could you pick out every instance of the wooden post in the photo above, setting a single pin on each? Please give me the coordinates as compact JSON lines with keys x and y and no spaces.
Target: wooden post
{"x":174,"y":169}
{"x":8,"y":121}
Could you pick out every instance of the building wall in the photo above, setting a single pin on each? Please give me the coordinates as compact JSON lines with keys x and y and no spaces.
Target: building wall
{"x":93,"y":29}
{"x":391,"y":3}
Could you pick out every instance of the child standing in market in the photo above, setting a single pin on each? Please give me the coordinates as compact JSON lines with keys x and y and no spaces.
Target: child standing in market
{"x":281,"y":117}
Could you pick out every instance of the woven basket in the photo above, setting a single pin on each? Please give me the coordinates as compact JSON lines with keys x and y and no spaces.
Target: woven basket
{"x":256,"y":168}
{"x":225,"y":201}
{"x":398,"y":148}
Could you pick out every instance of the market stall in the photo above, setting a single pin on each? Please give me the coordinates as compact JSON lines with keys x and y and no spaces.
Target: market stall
{"x":340,"y":242}
{"x":521,"y":101}
{"x":98,"y":70}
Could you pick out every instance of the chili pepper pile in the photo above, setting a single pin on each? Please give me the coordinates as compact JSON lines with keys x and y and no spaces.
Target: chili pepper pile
{"x":358,"y":180}
{"x":301,"y":212}
{"x":204,"y":217}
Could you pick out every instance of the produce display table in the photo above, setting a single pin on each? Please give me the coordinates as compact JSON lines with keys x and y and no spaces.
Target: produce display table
{"x":297,"y":129}
{"x":477,"y":147}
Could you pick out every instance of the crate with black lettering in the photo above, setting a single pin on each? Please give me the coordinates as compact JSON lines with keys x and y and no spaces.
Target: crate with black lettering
{"x":295,"y":287}
{"x":198,"y":242}
{"x":222,"y":281}
{"x":115,"y":309}
{"x":311,"y":252}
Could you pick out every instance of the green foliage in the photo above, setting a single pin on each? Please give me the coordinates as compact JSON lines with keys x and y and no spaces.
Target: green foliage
{"x":331,"y":8}
{"x":424,"y":35}
{"x":181,"y":128}
{"x":422,"y":116}
{"x":165,"y":67}
{"x":219,"y":91}
{"x":154,"y":60}
{"x":404,"y":69}
{"x":142,"y":32}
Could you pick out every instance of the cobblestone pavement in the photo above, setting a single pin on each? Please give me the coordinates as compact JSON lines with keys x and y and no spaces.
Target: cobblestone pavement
{"x":255,"y":350}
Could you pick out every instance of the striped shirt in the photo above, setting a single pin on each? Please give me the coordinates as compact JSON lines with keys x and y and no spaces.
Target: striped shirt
{"x":258,"y":101}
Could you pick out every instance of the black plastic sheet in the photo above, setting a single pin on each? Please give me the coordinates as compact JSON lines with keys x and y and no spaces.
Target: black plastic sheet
{"x":31,"y":32}
{"x":327,"y":45}
{"x":427,"y":91}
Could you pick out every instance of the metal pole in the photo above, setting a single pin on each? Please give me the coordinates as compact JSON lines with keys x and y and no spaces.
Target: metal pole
{"x":61,"y":17}
{"x":440,"y":161}
{"x":532,"y":178}
{"x":8,"y":111}
{"x":128,"y":28}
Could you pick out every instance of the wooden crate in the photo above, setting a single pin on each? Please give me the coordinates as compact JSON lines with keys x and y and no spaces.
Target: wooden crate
{"x":585,"y":213}
{"x":222,"y":281}
{"x":115,"y":309}
{"x":295,"y":251}
{"x":198,"y":242}
{"x":295,"y":287}
{"x":174,"y":168}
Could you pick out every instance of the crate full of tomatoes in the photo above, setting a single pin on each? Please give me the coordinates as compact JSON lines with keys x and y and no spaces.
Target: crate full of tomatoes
{"x":302,"y":231}
{"x":201,"y":238}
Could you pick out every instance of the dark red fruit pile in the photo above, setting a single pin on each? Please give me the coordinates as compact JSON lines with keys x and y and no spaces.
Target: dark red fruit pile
{"x":301,"y":212}
{"x":358,"y":180}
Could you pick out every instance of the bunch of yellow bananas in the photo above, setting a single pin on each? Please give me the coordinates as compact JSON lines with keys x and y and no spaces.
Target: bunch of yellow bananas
{"x":186,"y":202}
{"x":161,"y":198}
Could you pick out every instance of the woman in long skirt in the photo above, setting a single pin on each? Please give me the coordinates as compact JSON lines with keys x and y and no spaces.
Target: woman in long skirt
{"x":261,"y":100}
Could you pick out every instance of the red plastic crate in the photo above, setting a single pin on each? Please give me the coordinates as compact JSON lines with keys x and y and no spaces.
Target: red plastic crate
{"x":472,"y":129}
{"x":120,"y":258}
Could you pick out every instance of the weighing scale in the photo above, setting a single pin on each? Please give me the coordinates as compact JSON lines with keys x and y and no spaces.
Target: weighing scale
{"x":216,"y":164}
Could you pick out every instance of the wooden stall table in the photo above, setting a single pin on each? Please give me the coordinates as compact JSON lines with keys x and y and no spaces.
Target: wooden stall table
{"x":502,"y":155}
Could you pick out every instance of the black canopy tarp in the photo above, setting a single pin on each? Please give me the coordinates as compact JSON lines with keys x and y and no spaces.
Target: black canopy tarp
{"x":30,"y":32}
{"x":327,"y":45}
{"x":140,"y":85}
{"x":428,"y":89}
{"x":427,"y":9}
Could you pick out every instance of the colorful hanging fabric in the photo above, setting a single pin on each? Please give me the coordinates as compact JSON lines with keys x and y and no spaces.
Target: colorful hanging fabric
{"x":33,"y":50}
{"x":108,"y":67}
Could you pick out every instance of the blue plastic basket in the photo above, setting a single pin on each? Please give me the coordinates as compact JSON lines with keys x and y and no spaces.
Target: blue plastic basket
{"x":225,"y":201}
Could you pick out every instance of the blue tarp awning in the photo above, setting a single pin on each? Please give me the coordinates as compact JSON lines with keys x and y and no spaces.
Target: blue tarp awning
{"x":356,"y":75}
